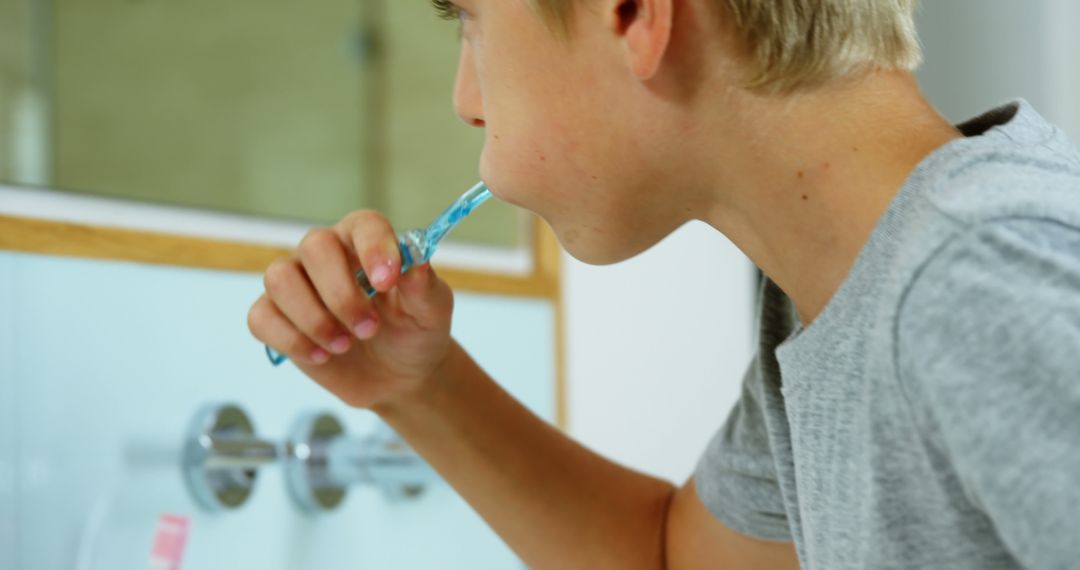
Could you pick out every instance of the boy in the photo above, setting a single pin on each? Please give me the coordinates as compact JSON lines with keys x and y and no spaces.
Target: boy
{"x":914,"y":401}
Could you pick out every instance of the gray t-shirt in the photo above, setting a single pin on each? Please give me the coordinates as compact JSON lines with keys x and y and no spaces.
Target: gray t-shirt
{"x":930,"y":416}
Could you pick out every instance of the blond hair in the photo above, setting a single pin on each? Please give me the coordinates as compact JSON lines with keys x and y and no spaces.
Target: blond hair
{"x":795,"y":44}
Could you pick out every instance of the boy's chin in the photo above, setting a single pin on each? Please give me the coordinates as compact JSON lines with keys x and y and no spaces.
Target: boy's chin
{"x":594,"y":253}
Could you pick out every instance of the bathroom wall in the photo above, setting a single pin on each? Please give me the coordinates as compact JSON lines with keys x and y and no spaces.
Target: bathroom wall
{"x":656,"y":349}
{"x":102,"y":365}
{"x":8,"y":418}
{"x":980,"y":53}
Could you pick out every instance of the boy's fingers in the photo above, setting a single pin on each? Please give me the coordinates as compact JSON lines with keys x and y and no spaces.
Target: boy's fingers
{"x":372,"y":238}
{"x":270,"y":326}
{"x":327,"y":266}
{"x":295,"y":297}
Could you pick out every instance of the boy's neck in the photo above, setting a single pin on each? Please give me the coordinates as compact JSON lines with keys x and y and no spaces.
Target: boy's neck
{"x":815,"y":175}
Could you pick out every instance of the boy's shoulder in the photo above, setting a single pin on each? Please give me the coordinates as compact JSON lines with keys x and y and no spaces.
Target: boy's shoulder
{"x":990,"y":243}
{"x":1005,"y":259}
{"x":1023,"y":167}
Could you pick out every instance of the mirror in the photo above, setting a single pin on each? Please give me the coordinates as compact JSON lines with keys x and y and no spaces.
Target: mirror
{"x":288,"y":110}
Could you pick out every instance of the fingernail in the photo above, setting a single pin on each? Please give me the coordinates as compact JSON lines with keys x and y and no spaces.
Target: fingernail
{"x":320,"y":356}
{"x":340,"y":345}
{"x":381,"y":273}
{"x":365,"y":329}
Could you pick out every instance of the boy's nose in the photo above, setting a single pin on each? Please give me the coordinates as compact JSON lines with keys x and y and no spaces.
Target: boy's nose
{"x":468,"y":102}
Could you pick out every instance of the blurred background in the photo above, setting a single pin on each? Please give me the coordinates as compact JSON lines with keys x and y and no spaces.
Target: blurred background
{"x":268,"y":117}
{"x":257,"y":108}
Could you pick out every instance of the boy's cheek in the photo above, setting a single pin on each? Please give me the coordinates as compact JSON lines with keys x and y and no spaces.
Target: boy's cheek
{"x":512,"y":177}
{"x":493,"y":173}
{"x":527,"y":157}
{"x":496,"y":171}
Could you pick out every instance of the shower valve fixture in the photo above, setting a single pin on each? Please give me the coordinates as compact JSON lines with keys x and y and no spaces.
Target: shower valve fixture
{"x":222,"y":457}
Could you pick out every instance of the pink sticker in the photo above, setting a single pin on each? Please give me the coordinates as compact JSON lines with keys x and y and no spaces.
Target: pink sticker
{"x":169,"y":541}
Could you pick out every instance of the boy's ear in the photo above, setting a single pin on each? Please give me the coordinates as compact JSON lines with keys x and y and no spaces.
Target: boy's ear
{"x":645,"y":28}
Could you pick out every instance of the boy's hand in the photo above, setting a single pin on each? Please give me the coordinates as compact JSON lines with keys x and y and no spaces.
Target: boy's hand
{"x":365,"y":351}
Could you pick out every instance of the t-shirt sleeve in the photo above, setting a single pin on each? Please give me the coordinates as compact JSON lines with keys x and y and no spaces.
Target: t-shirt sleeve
{"x":736,"y":477}
{"x":988,"y":348}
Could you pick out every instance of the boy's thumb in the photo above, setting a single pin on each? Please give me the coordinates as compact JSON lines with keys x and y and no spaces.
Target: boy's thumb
{"x":425,"y":297}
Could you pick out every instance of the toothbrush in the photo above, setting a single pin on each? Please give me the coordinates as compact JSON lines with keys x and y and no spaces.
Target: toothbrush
{"x":418,"y":245}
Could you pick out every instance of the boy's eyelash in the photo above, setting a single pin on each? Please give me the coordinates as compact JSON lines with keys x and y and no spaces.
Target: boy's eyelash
{"x":446,"y":10}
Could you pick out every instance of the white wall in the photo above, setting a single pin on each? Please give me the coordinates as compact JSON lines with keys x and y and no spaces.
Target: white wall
{"x":656,"y":348}
{"x":983,"y":52}
{"x":1062,"y":66}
